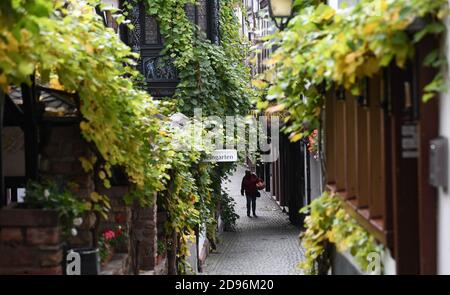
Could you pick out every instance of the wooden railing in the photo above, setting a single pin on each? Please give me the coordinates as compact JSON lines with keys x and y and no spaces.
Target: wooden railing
{"x":356,"y":155}
{"x":377,"y":159}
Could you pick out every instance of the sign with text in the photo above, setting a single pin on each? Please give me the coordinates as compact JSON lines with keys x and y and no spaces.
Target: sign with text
{"x":222,"y":156}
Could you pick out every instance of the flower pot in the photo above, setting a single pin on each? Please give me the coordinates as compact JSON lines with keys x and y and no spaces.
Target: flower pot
{"x":90,"y":260}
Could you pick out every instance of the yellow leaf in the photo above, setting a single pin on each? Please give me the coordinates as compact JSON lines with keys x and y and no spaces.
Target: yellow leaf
{"x":88,"y":205}
{"x":287,"y":62}
{"x":86,"y":164}
{"x":352,"y":56}
{"x":3,"y":79}
{"x":106,"y":183}
{"x":54,"y":83}
{"x":275,"y":59}
{"x":275,"y":109}
{"x":89,"y":48}
{"x":95,"y":197}
{"x":295,"y":137}
{"x":370,"y":28}
{"x":259,"y":84}
{"x":317,"y":111}
{"x":13,"y":45}
{"x":329,"y":13}
{"x":383,"y":5}
{"x":84,"y":126}
{"x":371,"y":66}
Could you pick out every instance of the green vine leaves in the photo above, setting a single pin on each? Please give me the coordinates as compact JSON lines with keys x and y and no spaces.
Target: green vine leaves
{"x":127,"y":127}
{"x":213,"y":77}
{"x":329,"y":222}
{"x":323,"y":47}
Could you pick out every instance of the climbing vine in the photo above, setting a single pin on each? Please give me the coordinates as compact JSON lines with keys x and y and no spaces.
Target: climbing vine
{"x":90,"y":61}
{"x":213,"y":77}
{"x":127,"y":127}
{"x":323,"y":47}
{"x":328,"y":223}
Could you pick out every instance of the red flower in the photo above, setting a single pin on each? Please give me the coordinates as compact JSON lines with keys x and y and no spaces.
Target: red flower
{"x":109,"y":235}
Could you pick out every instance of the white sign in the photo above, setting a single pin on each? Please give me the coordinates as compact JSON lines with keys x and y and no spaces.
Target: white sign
{"x":222,"y":156}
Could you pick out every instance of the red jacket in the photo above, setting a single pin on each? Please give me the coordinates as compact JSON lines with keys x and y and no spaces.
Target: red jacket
{"x":249,"y":185}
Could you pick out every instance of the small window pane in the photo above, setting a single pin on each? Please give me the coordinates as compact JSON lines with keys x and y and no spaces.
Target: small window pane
{"x":151,"y":30}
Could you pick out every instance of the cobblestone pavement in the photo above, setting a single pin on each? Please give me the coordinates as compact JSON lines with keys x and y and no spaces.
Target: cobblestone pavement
{"x":267,"y":245}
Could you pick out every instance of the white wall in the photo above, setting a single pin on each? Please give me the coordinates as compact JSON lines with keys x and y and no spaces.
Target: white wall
{"x":389,"y":263}
{"x":316,"y":178}
{"x":443,"y":210}
{"x":202,"y":240}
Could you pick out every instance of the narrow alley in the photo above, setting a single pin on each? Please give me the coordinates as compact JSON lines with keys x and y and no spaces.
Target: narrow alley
{"x":265,"y":245}
{"x":122,"y":122}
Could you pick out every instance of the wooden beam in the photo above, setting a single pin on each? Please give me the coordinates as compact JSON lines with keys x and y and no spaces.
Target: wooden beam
{"x":267,"y":176}
{"x":362,"y":150}
{"x":340,"y":146}
{"x":428,"y":130}
{"x":350,"y":138}
{"x":330,"y":134}
{"x":375,"y":133}
{"x":213,"y":26}
{"x":404,"y":178}
{"x":30,"y":132}
{"x":284,"y":172}
{"x":387,"y":156}
{"x":3,"y":200}
{"x":13,"y":114}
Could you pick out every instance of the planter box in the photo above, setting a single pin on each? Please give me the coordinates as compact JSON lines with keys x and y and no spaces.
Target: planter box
{"x":30,"y":242}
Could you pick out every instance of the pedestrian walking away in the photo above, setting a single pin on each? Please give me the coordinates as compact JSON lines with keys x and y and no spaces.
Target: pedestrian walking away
{"x":251,"y":183}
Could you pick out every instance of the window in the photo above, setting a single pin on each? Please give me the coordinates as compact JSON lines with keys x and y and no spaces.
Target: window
{"x":147,"y":40}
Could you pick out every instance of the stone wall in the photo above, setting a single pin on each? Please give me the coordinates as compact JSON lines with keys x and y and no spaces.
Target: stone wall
{"x":30,"y":242}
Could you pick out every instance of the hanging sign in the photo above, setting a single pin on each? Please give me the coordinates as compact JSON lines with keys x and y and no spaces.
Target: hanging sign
{"x":222,"y":156}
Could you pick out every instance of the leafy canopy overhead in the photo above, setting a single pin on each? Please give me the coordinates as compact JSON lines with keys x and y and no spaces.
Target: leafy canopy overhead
{"x":322,"y":47}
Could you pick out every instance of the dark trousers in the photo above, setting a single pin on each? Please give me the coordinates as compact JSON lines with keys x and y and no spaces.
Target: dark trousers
{"x":251,"y":201}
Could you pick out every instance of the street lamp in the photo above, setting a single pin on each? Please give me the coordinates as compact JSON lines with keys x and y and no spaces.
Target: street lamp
{"x":281,"y":12}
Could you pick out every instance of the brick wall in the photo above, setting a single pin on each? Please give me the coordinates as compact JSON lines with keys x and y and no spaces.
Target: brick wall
{"x":62,"y":147}
{"x":143,"y":236}
{"x":30,"y":242}
{"x":35,"y":248}
{"x":60,"y":155}
{"x":120,"y":214}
